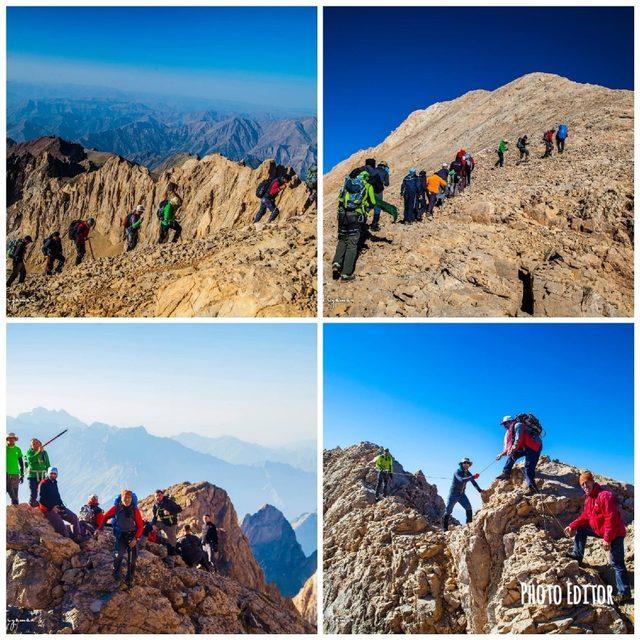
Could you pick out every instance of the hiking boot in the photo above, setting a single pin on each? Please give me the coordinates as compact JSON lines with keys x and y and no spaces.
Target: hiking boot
{"x":375,"y":227}
{"x":504,"y":476}
{"x":335,"y":271}
{"x":622,"y":598}
{"x":347,"y":278}
{"x":574,"y":556}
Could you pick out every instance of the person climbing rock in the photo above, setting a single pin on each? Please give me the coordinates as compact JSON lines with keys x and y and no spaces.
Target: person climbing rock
{"x":383,"y":173}
{"x":209,"y":538}
{"x":522,"y":438}
{"x":37,"y":462}
{"x":165,"y":517}
{"x":469,"y":166}
{"x":456,"y":167}
{"x":50,"y":503}
{"x":503,"y":147}
{"x":434,"y":184}
{"x":268,"y":199}
{"x":421,"y":200}
{"x":79,"y":231}
{"x":409,"y":190}
{"x":15,"y":468}
{"x":547,"y":138}
{"x":311,"y":182}
{"x":132,"y":223}
{"x":167,"y":213}
{"x":127,"y":530}
{"x":190,"y":549}
{"x":91,"y":515}
{"x":601,"y":518}
{"x":52,"y":250}
{"x":522,"y":148}
{"x":561,"y":136}
{"x":383,"y":464}
{"x":16,"y":252}
{"x":461,"y":477}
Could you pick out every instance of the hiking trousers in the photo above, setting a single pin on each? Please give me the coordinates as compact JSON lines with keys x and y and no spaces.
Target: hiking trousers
{"x":548,"y":148}
{"x":51,"y":260}
{"x":524,"y":153}
{"x":462,"y":500}
{"x":13,"y":484}
{"x":121,"y":552}
{"x":81,"y":249}
{"x":433,"y":198}
{"x":409,"y":208}
{"x":383,"y":483}
{"x":560,"y":144}
{"x":267,"y":203}
{"x":132,"y":238}
{"x":199,"y":558}
{"x":377,"y":210}
{"x":500,"y":160}
{"x":347,"y":251}
{"x":467,"y":171}
{"x":531,"y":458}
{"x":33,"y":490}
{"x":616,"y":556}
{"x":164,"y":231}
{"x":57,"y":521}
{"x":211,"y":551}
{"x":171,"y":531}
{"x":19,"y":271}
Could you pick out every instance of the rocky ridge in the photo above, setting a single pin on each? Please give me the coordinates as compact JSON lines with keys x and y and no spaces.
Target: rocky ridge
{"x":389,"y":567}
{"x":553,"y":237}
{"x":306,"y":602}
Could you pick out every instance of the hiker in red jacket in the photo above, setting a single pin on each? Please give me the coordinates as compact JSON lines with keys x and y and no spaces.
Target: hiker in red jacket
{"x":601,"y":518}
{"x":79,"y":233}
{"x":268,"y":200}
{"x":547,"y":138}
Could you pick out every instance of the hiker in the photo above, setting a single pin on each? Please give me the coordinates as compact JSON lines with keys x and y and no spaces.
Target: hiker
{"x":167,"y":214}
{"x":15,"y":468}
{"x":37,"y":460}
{"x":209,"y":538}
{"x":434,"y":184}
{"x":52,"y":249}
{"x":190,"y":549}
{"x":376,"y":180}
{"x":469,"y":166}
{"x":443,"y":172}
{"x":522,"y":148}
{"x":384,"y":466}
{"x":547,"y":138}
{"x":501,"y":150}
{"x":16,"y":252}
{"x":311,"y":181}
{"x":601,"y":518}
{"x":270,"y":192}
{"x":522,"y":438}
{"x":132,"y":223}
{"x":383,"y":173}
{"x":461,"y":158}
{"x":79,"y":231}
{"x":127,"y":530}
{"x":421,"y":200}
{"x":409,"y":192}
{"x":461,"y":477}
{"x":561,"y":136}
{"x":91,"y":515}
{"x":50,"y":503}
{"x":456,"y":167}
{"x":165,"y":518}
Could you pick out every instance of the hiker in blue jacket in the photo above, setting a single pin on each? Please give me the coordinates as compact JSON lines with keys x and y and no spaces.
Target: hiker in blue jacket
{"x":461,"y":477}
{"x":561,"y":136}
{"x":409,"y":190}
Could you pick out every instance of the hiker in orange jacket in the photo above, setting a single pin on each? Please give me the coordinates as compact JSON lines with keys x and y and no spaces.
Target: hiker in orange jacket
{"x":434,"y":184}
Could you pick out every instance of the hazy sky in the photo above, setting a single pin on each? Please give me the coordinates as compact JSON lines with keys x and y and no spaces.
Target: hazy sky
{"x":253,"y":381}
{"x":259,"y":55}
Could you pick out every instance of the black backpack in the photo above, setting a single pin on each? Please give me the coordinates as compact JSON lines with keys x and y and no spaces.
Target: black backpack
{"x":263,"y":188}
{"x":531,"y":424}
{"x":125,"y":520}
{"x":87,"y":514}
{"x":160,"y":211}
{"x":73,"y":229}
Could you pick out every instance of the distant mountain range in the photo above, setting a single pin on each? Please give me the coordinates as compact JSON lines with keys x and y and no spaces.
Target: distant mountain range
{"x":306,"y":528}
{"x":103,"y":459}
{"x":151,"y":133}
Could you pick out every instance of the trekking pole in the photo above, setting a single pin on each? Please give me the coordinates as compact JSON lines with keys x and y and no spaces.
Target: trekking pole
{"x":91,"y":249}
{"x":489,"y":465}
{"x":54,"y":438}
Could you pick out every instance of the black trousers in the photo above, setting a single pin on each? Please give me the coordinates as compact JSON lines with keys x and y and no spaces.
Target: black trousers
{"x":51,"y":260}
{"x":383,"y":483}
{"x":560,"y":144}
{"x":164,"y":231}
{"x":122,"y":551}
{"x":81,"y":249}
{"x":500,"y":161}
{"x":18,"y":271}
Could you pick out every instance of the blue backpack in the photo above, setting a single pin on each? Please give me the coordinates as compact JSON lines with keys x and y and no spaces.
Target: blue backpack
{"x":562,"y":132}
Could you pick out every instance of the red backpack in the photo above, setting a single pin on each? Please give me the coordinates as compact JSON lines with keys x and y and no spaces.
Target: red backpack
{"x":549,"y":135}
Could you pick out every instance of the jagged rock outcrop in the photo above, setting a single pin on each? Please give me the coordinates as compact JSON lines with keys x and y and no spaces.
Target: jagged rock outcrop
{"x":553,"y":237}
{"x":389,"y":567}
{"x":55,"y":585}
{"x":274,"y":545}
{"x":306,"y":602}
{"x":223,"y":266}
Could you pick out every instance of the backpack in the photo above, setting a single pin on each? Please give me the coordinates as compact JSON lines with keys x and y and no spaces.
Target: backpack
{"x":160,"y":211}
{"x":549,"y":136}
{"x":531,"y":424}
{"x":470,"y":161}
{"x":520,"y":144}
{"x":12,"y":245}
{"x":87,"y":514}
{"x":73,"y":229}
{"x":562,"y":132}
{"x":263,"y":188}
{"x":353,"y":193}
{"x":46,"y":245}
{"x":124,"y":519}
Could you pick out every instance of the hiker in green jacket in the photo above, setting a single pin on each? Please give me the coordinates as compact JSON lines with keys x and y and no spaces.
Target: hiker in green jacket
{"x":384,"y":466}
{"x":37,"y":464}
{"x":15,"y":468}
{"x":502,"y":149}
{"x":168,"y":220}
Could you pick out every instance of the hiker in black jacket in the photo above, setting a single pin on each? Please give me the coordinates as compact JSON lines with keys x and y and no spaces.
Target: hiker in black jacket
{"x":17,"y":256}
{"x":165,"y":518}
{"x":190,"y":549}
{"x":209,"y":538}
{"x":52,"y":249}
{"x":50,"y":503}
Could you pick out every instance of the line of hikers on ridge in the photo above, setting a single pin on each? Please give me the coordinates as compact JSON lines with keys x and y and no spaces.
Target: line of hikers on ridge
{"x":79,"y":230}
{"x":123,"y":516}
{"x":600,"y":518}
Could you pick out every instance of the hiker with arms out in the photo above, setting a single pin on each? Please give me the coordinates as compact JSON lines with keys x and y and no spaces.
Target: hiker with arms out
{"x":165,"y":518}
{"x":561,"y":136}
{"x":15,"y":468}
{"x":461,"y":477}
{"x":17,"y":251}
{"x":91,"y":515}
{"x":52,"y":249}
{"x":522,"y":438}
{"x":37,"y":465}
{"x":127,"y":530}
{"x":268,"y":191}
{"x":547,"y":138}
{"x":209,"y":538}
{"x":190,"y":549}
{"x":501,"y":150}
{"x":167,"y":215}
{"x":79,"y":231}
{"x":383,"y":463}
{"x":50,"y":503}
{"x":601,"y":518}
{"x":132,"y":224}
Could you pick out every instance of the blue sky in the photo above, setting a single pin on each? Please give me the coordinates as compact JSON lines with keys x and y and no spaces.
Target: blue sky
{"x":406,"y":55}
{"x":253,"y":381}
{"x":434,"y":393}
{"x":261,"y":55}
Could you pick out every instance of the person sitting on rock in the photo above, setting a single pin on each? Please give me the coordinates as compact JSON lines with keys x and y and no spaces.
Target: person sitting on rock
{"x":383,"y":463}
{"x":52,"y":249}
{"x":190,"y":549}
{"x":17,"y":254}
{"x":209,"y":538}
{"x":91,"y":515}
{"x":15,"y":468}
{"x":50,"y":503}
{"x":461,"y":477}
{"x":127,"y":530}
{"x":37,"y":460}
{"x":519,"y":442}
{"x":601,"y":518}
{"x":169,"y":221}
{"x":165,"y":518}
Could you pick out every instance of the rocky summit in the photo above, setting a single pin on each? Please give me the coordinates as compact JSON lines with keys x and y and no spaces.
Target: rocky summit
{"x":551,"y":237}
{"x":223,"y":265}
{"x":390,"y":568}
{"x":57,"y":586}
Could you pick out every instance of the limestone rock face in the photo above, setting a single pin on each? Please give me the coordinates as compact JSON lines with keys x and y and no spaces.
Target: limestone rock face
{"x":57,"y":586}
{"x":550,"y":237}
{"x":223,"y":265}
{"x":388,"y":567}
{"x":306,"y":601}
